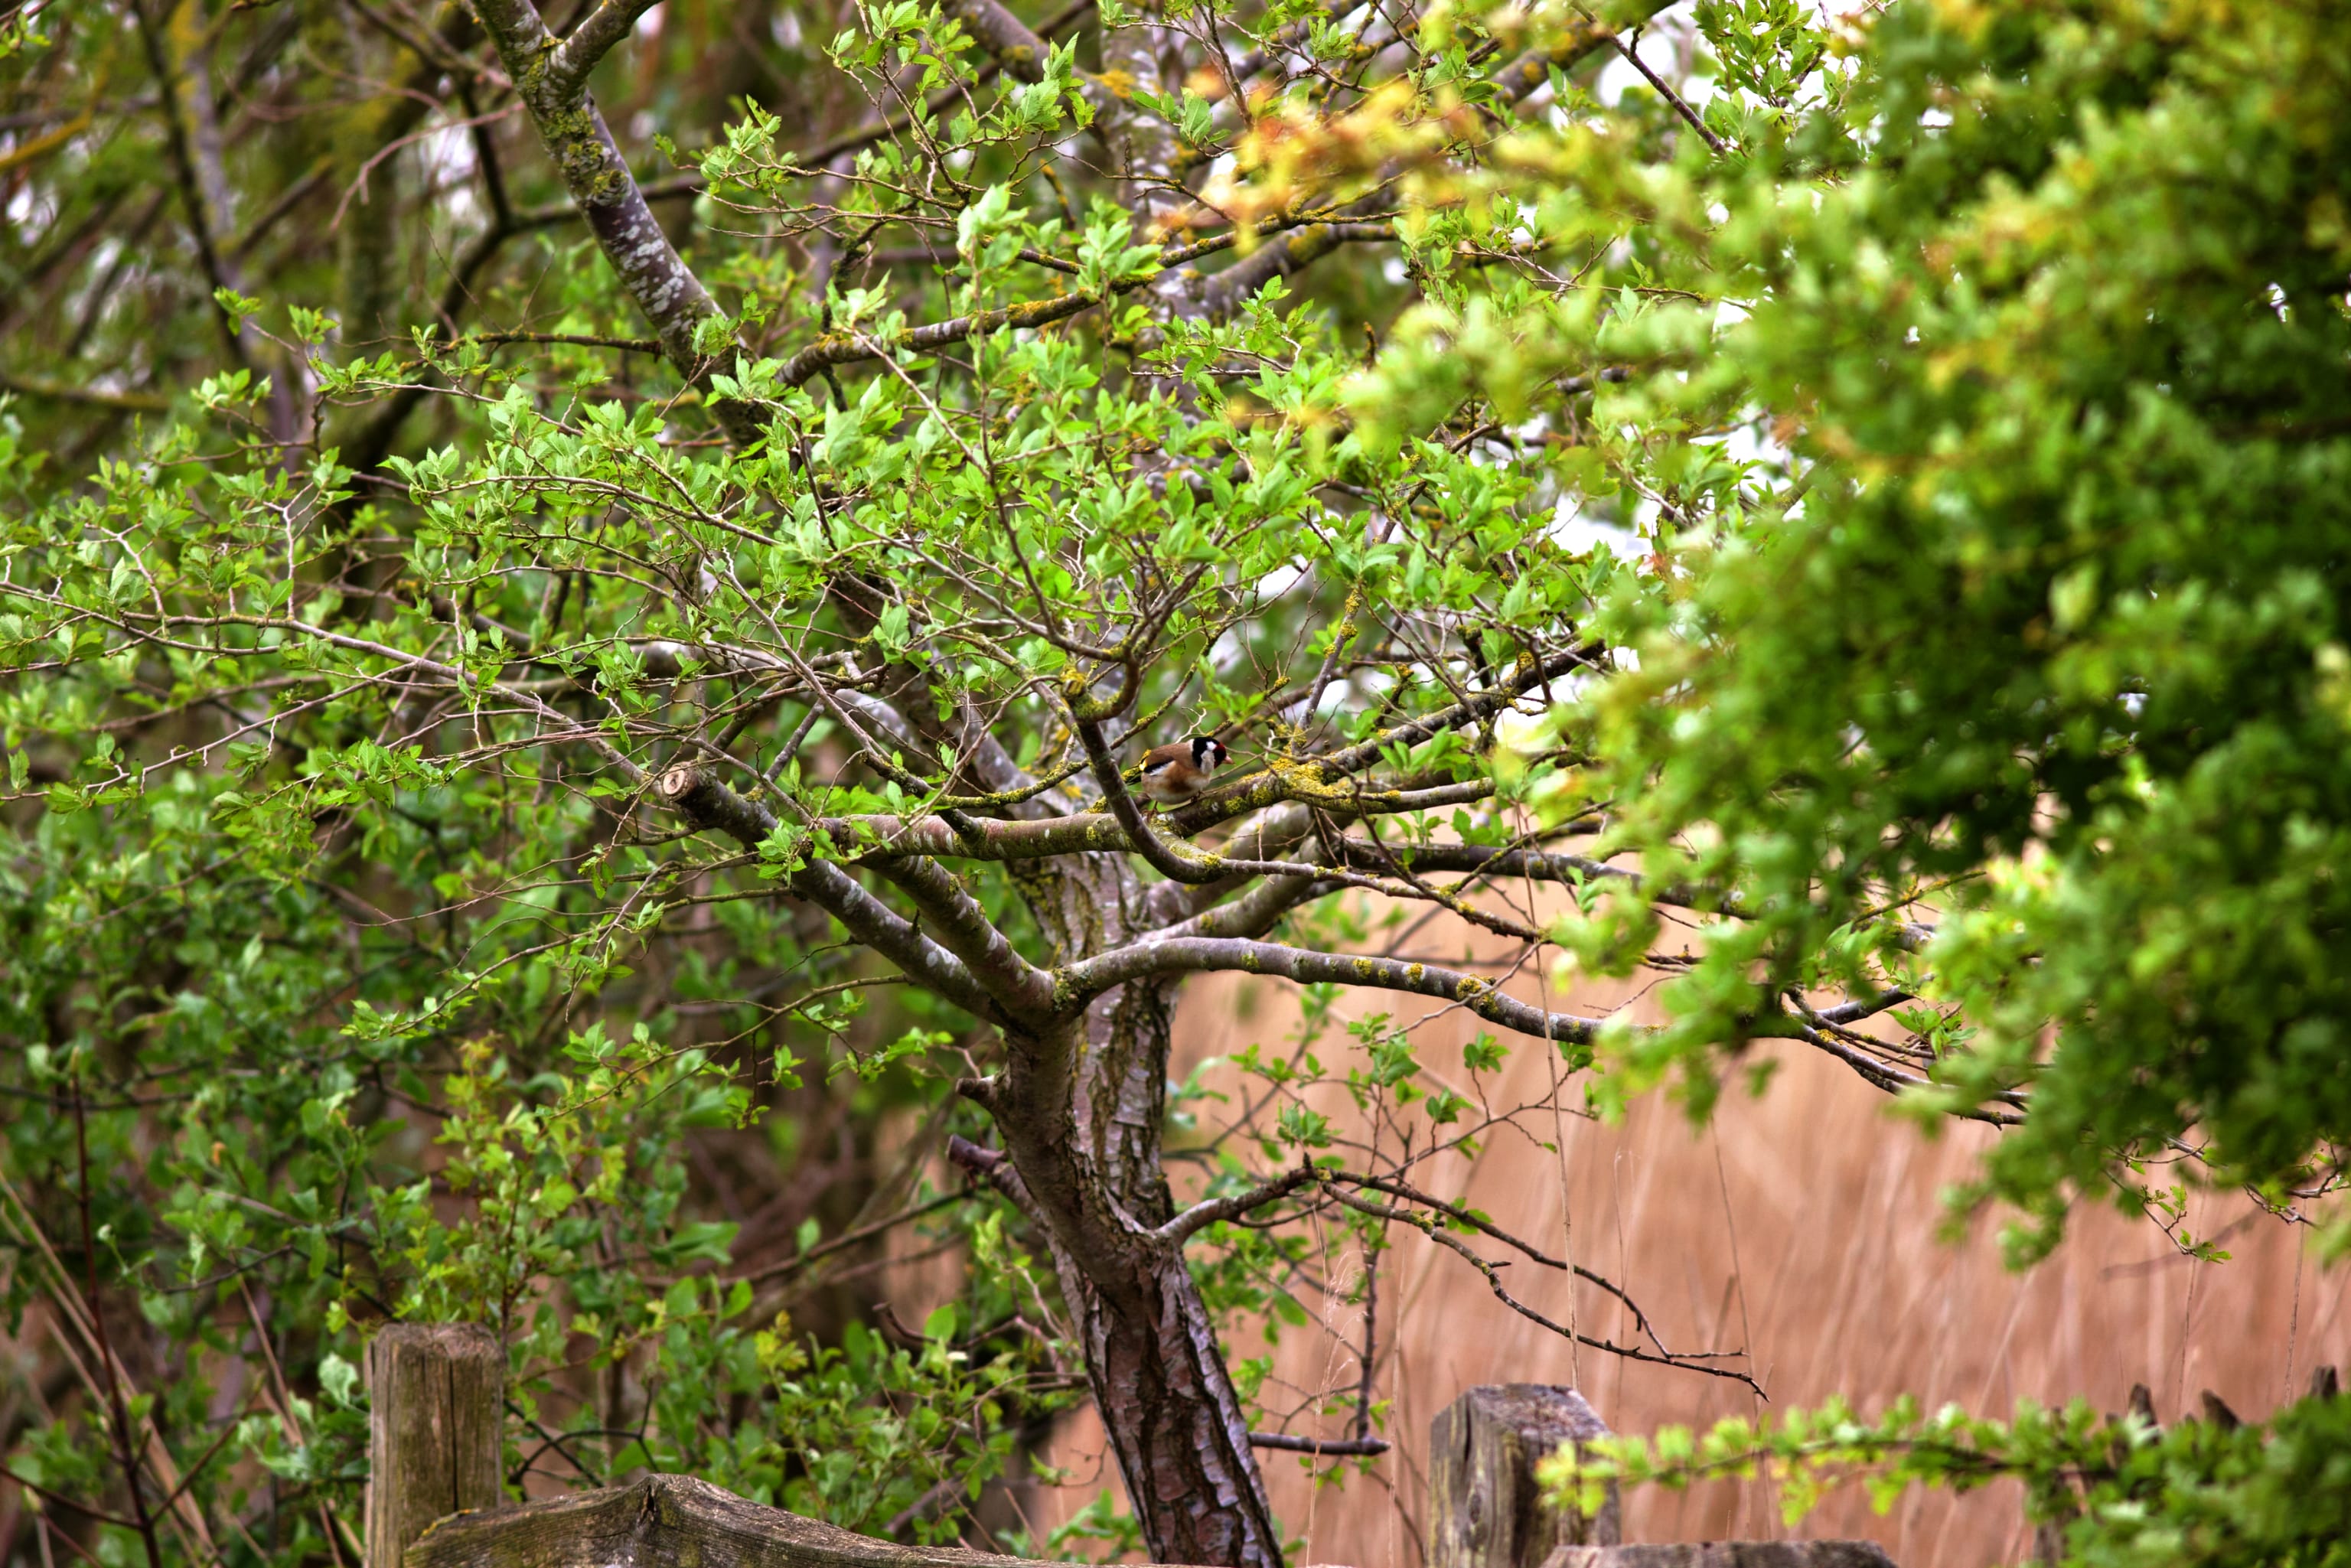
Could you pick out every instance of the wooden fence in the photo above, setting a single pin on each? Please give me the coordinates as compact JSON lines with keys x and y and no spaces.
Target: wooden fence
{"x":435,"y":1498}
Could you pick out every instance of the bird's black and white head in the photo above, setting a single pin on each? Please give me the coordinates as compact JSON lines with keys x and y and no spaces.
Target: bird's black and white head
{"x":1177,"y":771}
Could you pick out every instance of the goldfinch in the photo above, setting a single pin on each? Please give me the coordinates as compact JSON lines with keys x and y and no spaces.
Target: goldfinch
{"x":1178,"y":772}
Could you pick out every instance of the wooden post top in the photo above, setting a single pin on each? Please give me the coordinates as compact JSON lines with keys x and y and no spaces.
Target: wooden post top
{"x":1485,"y":1508}
{"x":436,"y":1414}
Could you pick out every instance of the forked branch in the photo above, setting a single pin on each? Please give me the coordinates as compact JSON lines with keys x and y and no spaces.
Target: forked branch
{"x":552,"y":80}
{"x":567,"y":69}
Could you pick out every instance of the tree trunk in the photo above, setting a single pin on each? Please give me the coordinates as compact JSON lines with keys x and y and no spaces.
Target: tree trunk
{"x":1080,"y":1115}
{"x":1081,"y":1112}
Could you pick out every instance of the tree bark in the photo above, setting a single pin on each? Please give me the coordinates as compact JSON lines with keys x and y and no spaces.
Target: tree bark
{"x":1080,"y":1106}
{"x":1080,"y":1110}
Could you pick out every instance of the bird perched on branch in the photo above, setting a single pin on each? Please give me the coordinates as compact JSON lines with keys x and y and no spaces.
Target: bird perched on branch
{"x":1177,"y":772}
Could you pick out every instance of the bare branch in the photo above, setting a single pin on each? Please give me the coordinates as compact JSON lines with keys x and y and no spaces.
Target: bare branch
{"x":868,"y":837}
{"x":963,"y":927}
{"x":1143,"y":145}
{"x":1892,"y":1079}
{"x":567,"y":69}
{"x":1330,"y":1447}
{"x":1476,"y":709}
{"x":1254,"y":913}
{"x":90,"y":397}
{"x":848,"y":348}
{"x":994,"y":1167}
{"x":572,"y":130}
{"x":1222,"y":294}
{"x":1004,"y":35}
{"x":877,"y":926}
{"x":1200,"y":1215}
{"x":1862,"y":1008}
{"x":1438,"y":1234}
{"x":179,"y":139}
{"x":705,"y":802}
{"x":696,"y":794}
{"x":1193,"y":955}
{"x":1521,"y":77}
{"x":1633,"y":59}
{"x":1457,"y":1213}
{"x":846,"y":1240}
{"x":1489,"y":859}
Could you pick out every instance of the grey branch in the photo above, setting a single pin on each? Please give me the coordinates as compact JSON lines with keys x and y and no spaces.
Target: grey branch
{"x":551,"y":80}
{"x":1395,"y":1188}
{"x":1853,"y":1012}
{"x":960,"y":924}
{"x":1083,"y":833}
{"x":848,"y":347}
{"x":1254,"y":913}
{"x":697,"y":796}
{"x":1200,"y":1215}
{"x":577,"y":56}
{"x":1487,"y":859}
{"x":876,"y":925}
{"x":1004,"y":35}
{"x":1222,"y":294}
{"x":1477,"y":709}
{"x":1190,"y":955}
{"x":1895,"y":1079}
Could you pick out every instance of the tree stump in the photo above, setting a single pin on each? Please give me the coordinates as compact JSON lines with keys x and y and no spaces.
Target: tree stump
{"x":436,"y":1399}
{"x":1485,"y":1508}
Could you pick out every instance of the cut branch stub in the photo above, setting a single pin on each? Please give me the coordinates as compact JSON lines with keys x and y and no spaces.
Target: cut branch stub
{"x":437,"y":1394}
{"x":1485,"y":1508}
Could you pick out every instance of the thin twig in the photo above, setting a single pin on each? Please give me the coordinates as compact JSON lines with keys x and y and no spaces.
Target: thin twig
{"x":1658,"y":82}
{"x":125,"y":1455}
{"x":1492,"y":1274}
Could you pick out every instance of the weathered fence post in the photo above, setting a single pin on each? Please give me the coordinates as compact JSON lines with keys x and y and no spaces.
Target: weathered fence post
{"x":436,"y":1394}
{"x":1484,"y":1509}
